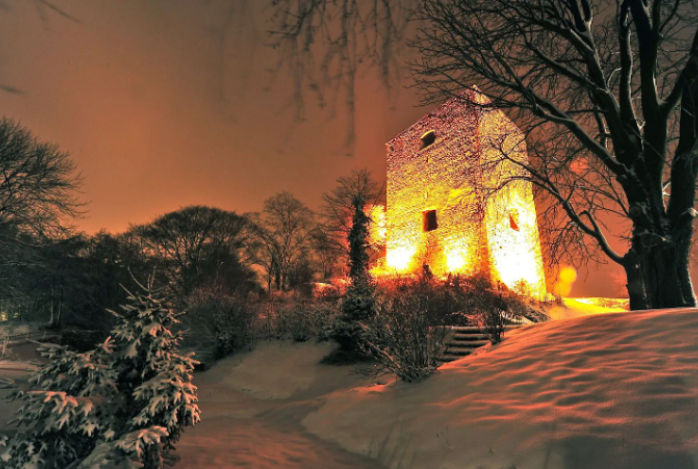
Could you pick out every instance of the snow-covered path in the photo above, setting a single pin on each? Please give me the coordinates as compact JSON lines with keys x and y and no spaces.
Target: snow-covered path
{"x":252,"y":407}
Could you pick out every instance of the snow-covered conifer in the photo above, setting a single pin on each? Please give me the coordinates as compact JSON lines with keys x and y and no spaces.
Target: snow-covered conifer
{"x":151,"y":372}
{"x":68,"y":407}
{"x":125,"y":402}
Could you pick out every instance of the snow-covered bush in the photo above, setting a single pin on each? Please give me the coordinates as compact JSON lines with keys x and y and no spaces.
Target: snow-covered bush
{"x":125,"y":402}
{"x":358,"y":303}
{"x":492,"y":304}
{"x":460,"y":300}
{"x":492,"y":324}
{"x":152,"y":374}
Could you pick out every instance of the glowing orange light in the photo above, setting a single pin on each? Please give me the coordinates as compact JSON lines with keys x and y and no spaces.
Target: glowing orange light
{"x":455,"y":262}
{"x":565,"y":279}
{"x":515,"y":260}
{"x":568,"y":274}
{"x":458,"y":253}
{"x":400,"y":259}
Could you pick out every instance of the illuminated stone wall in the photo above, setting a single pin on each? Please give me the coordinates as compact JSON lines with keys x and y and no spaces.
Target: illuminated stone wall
{"x":476,"y":230}
{"x":514,"y":251}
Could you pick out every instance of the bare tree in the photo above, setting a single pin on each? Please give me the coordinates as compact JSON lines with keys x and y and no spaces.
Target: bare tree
{"x":611,"y":89}
{"x":284,"y":231}
{"x":325,"y":251}
{"x":604,"y":92}
{"x":264,"y":251}
{"x":339,"y":206}
{"x":37,"y":183}
{"x":43,"y":8}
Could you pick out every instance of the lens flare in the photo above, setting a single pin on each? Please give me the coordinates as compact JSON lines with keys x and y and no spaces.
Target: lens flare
{"x":565,"y":280}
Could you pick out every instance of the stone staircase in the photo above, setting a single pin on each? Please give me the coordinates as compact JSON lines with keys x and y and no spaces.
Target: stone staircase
{"x":461,"y":341}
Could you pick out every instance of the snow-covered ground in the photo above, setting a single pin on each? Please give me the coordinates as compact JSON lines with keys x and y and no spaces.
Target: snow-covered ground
{"x":601,"y":391}
{"x":16,"y":328}
{"x":616,"y":390}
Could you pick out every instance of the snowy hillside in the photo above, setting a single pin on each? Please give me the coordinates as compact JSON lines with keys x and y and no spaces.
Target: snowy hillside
{"x":605,"y":391}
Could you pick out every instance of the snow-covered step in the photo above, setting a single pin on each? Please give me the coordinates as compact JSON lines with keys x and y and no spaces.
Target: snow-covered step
{"x":447,"y":358}
{"x":458,"y":352}
{"x":468,"y":344}
{"x":464,"y":340}
{"x":459,"y":337}
{"x":477,"y":330}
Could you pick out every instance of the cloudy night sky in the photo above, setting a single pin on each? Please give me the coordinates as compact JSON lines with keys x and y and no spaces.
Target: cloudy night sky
{"x":164,"y":104}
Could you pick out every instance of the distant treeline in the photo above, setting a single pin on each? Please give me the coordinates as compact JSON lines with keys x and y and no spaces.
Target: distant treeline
{"x":51,"y":273}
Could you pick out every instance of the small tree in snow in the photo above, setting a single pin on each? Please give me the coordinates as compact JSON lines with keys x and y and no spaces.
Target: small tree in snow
{"x":127,"y":401}
{"x":359,"y":303}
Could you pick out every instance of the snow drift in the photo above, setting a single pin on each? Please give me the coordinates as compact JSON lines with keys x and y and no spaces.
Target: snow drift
{"x":606,"y":391}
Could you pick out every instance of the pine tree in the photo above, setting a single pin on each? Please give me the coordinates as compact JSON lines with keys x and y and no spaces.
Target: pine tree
{"x":358,"y":243}
{"x":127,"y":401}
{"x":66,"y":410}
{"x":358,"y":303}
{"x":151,"y":372}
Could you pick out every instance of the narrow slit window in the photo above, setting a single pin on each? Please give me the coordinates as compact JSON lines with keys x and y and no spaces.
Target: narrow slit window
{"x":514,"y":220}
{"x":429,"y":220}
{"x":428,"y":138}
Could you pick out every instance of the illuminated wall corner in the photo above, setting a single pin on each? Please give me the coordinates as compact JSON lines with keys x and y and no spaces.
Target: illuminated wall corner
{"x":511,"y":226}
{"x":513,"y":242}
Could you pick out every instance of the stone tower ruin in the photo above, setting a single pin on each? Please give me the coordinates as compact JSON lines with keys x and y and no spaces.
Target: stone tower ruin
{"x":454,"y":203}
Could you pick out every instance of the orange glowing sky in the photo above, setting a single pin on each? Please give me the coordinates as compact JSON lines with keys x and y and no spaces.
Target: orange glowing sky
{"x":168,"y":103}
{"x":138,"y":93}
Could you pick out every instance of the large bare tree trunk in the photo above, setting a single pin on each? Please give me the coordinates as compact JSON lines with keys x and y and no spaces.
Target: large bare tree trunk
{"x":635,"y":285}
{"x":685,"y":274}
{"x":658,"y":272}
{"x":660,"y":268}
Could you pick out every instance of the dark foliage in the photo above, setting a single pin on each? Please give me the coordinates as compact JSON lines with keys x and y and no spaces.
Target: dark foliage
{"x":220,"y":323}
{"x":359,"y":303}
{"x":38,"y":184}
{"x":197,"y":247}
{"x":457,"y":300}
{"x":281,"y":239}
{"x":304,"y":320}
{"x":358,"y":242}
